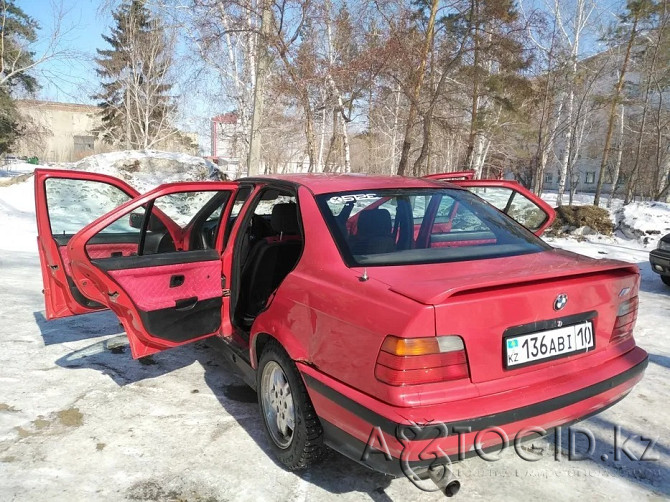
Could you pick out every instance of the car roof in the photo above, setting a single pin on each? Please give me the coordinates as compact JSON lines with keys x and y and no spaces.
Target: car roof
{"x":320,"y":183}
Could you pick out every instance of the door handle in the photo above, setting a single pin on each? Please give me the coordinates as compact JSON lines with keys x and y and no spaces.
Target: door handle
{"x":176,"y":281}
{"x":186,"y":303}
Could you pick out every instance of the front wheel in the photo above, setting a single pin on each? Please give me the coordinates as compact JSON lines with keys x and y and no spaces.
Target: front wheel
{"x":291,"y":424}
{"x":666,"y":279}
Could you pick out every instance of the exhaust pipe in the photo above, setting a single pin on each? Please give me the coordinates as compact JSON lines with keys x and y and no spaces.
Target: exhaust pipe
{"x":445,"y":481}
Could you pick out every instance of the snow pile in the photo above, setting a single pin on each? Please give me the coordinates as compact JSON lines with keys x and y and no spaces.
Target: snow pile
{"x":16,"y":168}
{"x":17,"y":217}
{"x":143,"y":170}
{"x":644,"y":221}
{"x":15,"y":173}
{"x":146,"y":169}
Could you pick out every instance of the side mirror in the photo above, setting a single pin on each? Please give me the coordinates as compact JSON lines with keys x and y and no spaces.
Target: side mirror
{"x":137,"y":220}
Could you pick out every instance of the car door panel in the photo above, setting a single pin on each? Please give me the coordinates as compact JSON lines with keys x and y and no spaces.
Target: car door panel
{"x":163,"y":300}
{"x":514,"y":200}
{"x":175,"y":296}
{"x":100,"y":251}
{"x":62,"y":297}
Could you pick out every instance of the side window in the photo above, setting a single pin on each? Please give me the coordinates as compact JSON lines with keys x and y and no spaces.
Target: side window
{"x":514,"y":204}
{"x":157,"y":227}
{"x":181,"y":207}
{"x":260,"y":223}
{"x":189,"y":210}
{"x":73,"y":204}
{"x":184,"y":210}
{"x":269,"y":199}
{"x":465,"y":220}
{"x":526,"y":212}
{"x":268,"y":247}
{"x":242,"y":196}
{"x":453,"y":217}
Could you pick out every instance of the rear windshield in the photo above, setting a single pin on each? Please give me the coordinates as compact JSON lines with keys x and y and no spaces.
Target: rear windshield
{"x":412,"y":226}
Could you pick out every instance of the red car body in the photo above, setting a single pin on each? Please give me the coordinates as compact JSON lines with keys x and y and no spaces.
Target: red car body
{"x":345,"y":327}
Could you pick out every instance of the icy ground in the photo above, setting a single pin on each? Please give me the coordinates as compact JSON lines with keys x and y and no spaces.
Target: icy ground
{"x":80,"y":420}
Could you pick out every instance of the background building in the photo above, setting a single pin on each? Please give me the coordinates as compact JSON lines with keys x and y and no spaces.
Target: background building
{"x":64,"y":132}
{"x":58,"y":132}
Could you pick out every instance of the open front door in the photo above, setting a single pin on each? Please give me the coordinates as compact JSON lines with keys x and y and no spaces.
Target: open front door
{"x":169,"y":292}
{"x":514,"y":200}
{"x":67,"y":201}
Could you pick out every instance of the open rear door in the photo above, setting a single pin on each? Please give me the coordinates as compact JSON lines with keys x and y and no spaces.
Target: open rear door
{"x":169,"y":292}
{"x":67,"y":201}
{"x":514,"y":200}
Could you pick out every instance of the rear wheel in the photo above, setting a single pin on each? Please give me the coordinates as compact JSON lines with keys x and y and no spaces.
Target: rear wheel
{"x":666,"y":279}
{"x":291,"y":424}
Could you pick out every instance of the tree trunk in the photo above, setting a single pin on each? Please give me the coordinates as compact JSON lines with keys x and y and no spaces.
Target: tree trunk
{"x":416,"y":92}
{"x":632,"y":179}
{"x":334,"y":136}
{"x":612,"y":115}
{"x":425,"y":147}
{"x":469,"y":159}
{"x":262,"y":65}
{"x":565,"y":157}
{"x":322,"y":138}
{"x":394,"y":132}
{"x":617,"y":163}
{"x":309,"y":131}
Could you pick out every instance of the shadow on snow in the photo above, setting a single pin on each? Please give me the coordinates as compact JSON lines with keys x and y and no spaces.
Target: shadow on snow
{"x":112,"y":357}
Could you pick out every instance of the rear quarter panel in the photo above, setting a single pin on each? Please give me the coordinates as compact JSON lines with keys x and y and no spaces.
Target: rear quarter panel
{"x":325,"y":315}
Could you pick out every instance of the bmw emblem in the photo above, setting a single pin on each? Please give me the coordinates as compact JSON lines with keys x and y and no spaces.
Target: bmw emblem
{"x":560,"y":301}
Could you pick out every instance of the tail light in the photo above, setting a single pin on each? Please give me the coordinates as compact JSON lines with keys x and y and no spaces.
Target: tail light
{"x":625,"y":320}
{"x":414,"y":361}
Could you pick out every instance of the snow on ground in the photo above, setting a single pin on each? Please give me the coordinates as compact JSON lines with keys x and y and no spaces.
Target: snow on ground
{"x":81,"y":420}
{"x":16,"y":168}
{"x":644,"y":221}
{"x":143,"y":170}
{"x":647,"y":221}
{"x":18,"y":230}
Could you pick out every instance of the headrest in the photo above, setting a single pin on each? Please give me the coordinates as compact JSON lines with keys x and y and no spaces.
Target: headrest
{"x":284,"y":218}
{"x":374,"y":223}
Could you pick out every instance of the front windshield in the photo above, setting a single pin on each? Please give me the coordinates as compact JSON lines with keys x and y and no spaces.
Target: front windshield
{"x":411,"y":226}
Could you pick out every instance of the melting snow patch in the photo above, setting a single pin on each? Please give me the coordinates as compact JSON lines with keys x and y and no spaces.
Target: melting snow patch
{"x":644,"y":221}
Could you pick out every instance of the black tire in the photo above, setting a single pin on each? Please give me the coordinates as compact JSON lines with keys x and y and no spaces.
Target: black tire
{"x":666,"y":279}
{"x":299,"y":444}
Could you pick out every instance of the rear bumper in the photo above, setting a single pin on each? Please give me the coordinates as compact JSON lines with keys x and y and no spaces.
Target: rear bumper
{"x":660,"y":261}
{"x":394,"y":445}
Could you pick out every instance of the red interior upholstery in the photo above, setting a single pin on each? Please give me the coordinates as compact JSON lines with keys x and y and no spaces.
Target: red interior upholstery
{"x":97,"y":251}
{"x":149,"y":287}
{"x":458,"y":244}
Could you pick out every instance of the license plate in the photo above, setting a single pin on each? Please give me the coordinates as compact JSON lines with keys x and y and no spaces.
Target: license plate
{"x":551,"y":344}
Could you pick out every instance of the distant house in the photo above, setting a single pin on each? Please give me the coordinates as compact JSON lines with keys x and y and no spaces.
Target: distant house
{"x":64,"y":132}
{"x":58,"y":132}
{"x":601,"y":73}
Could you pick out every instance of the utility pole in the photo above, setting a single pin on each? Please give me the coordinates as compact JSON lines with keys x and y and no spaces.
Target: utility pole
{"x":262,"y":64}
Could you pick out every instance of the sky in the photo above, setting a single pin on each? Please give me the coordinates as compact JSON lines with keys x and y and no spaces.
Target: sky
{"x":73,"y":78}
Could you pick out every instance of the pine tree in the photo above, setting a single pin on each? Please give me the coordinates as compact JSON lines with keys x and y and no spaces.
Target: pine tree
{"x":137,"y":109}
{"x":18,"y":31}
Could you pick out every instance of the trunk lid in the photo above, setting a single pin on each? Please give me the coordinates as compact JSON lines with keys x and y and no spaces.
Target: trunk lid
{"x":481,"y":300}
